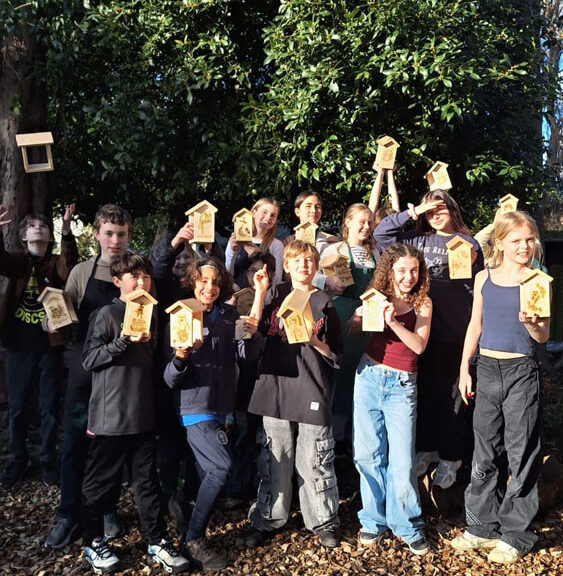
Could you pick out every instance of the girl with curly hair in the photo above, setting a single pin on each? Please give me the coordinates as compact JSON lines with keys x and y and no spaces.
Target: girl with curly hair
{"x":385,"y":401}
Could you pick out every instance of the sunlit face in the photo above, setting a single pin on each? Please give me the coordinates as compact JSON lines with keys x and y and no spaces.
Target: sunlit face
{"x":207,"y":289}
{"x":183,"y":260}
{"x":518,"y":245}
{"x":301,"y":268}
{"x":405,"y":275}
{"x":37,"y":231}
{"x":130,"y":282}
{"x":113,"y":239}
{"x":310,"y":210}
{"x":265,"y":218}
{"x":360,"y":226}
{"x":440,"y":219}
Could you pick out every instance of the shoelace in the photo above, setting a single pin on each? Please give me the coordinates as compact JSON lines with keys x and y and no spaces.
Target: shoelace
{"x":103,"y":551}
{"x":167,"y":547}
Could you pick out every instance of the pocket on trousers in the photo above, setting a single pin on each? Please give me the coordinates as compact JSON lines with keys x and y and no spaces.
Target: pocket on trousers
{"x":327,"y":498}
{"x":325,"y":452}
{"x":264,"y":456}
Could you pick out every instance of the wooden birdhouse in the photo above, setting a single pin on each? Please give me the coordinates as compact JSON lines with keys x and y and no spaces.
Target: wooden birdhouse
{"x":138,"y":313}
{"x":306,"y":232}
{"x":243,"y":301}
{"x":203,"y":217}
{"x":186,"y":322}
{"x":459,"y":258}
{"x":535,"y":294}
{"x":242,"y":221}
{"x":297,"y":317}
{"x":337,"y":266}
{"x":508,"y":203}
{"x":36,"y":151}
{"x":386,"y":152}
{"x":58,"y":307}
{"x":373,"y":305}
{"x":438,"y":178}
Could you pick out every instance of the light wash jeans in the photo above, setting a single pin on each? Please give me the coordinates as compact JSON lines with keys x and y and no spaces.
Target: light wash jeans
{"x":309,"y":449}
{"x":384,"y":432}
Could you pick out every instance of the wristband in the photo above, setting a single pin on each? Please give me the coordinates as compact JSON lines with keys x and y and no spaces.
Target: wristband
{"x":411,"y":211}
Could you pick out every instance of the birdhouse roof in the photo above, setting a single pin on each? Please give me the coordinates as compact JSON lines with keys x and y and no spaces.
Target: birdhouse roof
{"x":34,"y":139}
{"x":306,"y":225}
{"x":203,"y":206}
{"x":371,"y":294}
{"x":508,"y":198}
{"x":388,"y":141}
{"x":48,"y":290}
{"x":244,"y":292}
{"x":531,"y":274}
{"x":332,"y":260}
{"x":436,"y":167}
{"x":140,"y":296}
{"x":189,"y":304}
{"x":295,"y":301}
{"x":456,"y":242}
{"x":242,"y":212}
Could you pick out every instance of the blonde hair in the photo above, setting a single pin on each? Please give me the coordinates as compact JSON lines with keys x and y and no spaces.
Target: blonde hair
{"x":297,"y":248}
{"x":350,"y":213}
{"x":505,"y":224}
{"x":269,"y":236}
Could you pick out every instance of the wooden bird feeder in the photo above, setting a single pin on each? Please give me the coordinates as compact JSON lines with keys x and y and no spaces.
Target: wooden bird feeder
{"x":203,"y":217}
{"x":373,"y":304}
{"x":138,"y":313}
{"x":535,"y":294}
{"x":186,"y":322}
{"x":459,"y":258}
{"x":438,"y":178}
{"x":297,"y":317}
{"x":508,"y":203}
{"x":243,"y":225}
{"x":337,"y":266}
{"x":386,"y":152}
{"x":40,"y":143}
{"x":306,"y":232}
{"x":243,"y":301}
{"x":58,"y":307}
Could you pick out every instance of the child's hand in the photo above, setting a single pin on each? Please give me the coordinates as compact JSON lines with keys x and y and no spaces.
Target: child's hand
{"x":250,"y":324}
{"x":424,"y":207}
{"x":465,"y":386}
{"x":261,"y":280}
{"x":142,"y":337}
{"x":185,"y":234}
{"x":531,"y":321}
{"x":183,"y":352}
{"x":235,"y":246}
{"x":67,"y":217}
{"x":389,"y":313}
{"x":3,"y":215}
{"x":334,"y":285}
{"x":50,"y":328}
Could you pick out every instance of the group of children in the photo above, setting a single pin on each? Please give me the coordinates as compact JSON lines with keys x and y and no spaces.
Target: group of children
{"x":394,"y":396}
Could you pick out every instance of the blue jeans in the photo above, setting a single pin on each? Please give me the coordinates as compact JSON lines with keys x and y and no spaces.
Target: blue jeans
{"x":384,"y":433}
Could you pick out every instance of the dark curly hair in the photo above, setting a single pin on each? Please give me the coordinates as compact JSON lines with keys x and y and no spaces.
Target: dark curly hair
{"x":383,"y":276}
{"x":224,"y":279}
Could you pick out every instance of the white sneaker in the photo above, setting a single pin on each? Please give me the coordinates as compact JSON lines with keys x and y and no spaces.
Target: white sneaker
{"x":446,"y":473}
{"x":423,"y":460}
{"x":468,"y":541}
{"x":504,"y":553}
{"x":168,"y":557}
{"x":101,"y":557}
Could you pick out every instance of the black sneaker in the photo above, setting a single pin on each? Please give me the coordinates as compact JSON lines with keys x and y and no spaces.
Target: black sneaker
{"x":419,"y":547}
{"x":202,"y":557}
{"x":61,"y":533}
{"x":113,"y":527}
{"x":328,"y":537}
{"x":50,"y":474}
{"x":14,"y":473}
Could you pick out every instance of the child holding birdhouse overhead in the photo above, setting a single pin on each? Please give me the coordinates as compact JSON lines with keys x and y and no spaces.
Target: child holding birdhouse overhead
{"x":294,"y":394}
{"x":203,"y":373}
{"x":385,"y":393}
{"x":439,"y":436}
{"x":506,"y":413}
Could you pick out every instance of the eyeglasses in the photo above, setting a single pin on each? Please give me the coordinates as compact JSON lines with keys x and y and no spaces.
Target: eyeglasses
{"x":253,"y":270}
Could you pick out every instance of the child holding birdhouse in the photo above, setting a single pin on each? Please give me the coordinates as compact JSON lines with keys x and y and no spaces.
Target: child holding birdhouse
{"x":294,"y":394}
{"x":506,"y":415}
{"x":265,"y":214}
{"x":121,"y":418}
{"x":385,"y":393}
{"x":439,"y":435}
{"x":203,"y":372}
{"x":29,"y":349}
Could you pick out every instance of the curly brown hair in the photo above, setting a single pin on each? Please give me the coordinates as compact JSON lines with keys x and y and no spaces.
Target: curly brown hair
{"x":224,"y":279}
{"x":383,"y":276}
